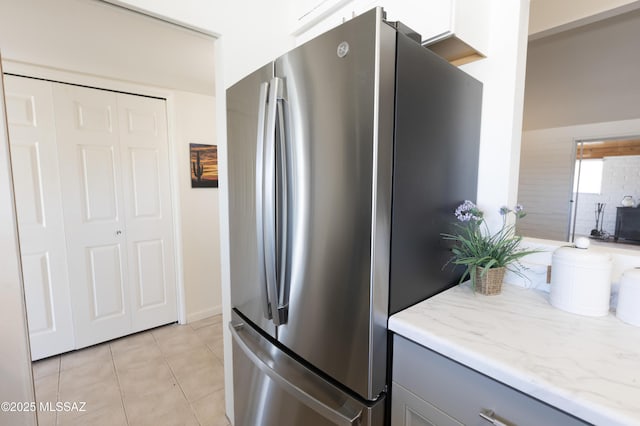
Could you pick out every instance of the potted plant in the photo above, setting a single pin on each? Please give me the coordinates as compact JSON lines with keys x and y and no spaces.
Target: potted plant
{"x":485,"y":256}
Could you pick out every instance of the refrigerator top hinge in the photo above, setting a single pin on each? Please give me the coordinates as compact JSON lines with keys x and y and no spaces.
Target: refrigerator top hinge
{"x":403,"y":29}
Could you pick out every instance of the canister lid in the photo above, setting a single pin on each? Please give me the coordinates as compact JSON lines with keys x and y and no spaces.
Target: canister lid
{"x":582,"y":256}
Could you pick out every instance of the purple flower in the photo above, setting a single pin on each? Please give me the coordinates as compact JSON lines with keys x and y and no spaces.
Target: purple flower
{"x":468,"y":211}
{"x":504,"y":210}
{"x":519,"y":211}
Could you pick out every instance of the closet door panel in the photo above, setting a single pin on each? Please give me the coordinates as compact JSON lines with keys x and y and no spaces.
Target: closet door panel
{"x":39,"y":293}
{"x":106,"y":285}
{"x":145,"y":172}
{"x":89,"y":149}
{"x":25,"y":156}
{"x":98,"y":177}
{"x":145,"y":162}
{"x":34,"y":157}
{"x":152,"y":282}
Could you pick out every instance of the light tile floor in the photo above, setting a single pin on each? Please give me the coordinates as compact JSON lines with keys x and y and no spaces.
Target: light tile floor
{"x":171,"y":375}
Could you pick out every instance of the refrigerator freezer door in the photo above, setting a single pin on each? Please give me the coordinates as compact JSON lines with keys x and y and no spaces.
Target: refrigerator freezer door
{"x":246,"y":121}
{"x":329,"y":87}
{"x":273,"y":389}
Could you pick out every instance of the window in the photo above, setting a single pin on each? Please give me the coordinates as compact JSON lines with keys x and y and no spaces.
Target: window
{"x":590,"y":176}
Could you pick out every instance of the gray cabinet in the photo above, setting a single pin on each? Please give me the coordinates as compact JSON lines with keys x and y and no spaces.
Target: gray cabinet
{"x":408,"y":409}
{"x":430,"y":389}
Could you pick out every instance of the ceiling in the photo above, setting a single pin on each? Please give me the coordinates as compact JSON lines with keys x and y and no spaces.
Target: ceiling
{"x":609,"y":148}
{"x":94,"y":37}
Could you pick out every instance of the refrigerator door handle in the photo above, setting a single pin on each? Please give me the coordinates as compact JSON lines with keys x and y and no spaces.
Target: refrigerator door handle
{"x":260,"y":179}
{"x":283,"y":247}
{"x":269,"y":192}
{"x":263,"y":362}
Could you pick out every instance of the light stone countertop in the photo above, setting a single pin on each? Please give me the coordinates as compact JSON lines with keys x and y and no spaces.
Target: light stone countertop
{"x":586,"y":366}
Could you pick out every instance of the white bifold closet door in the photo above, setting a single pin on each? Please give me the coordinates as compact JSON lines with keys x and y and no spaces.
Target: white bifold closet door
{"x":148,"y":213}
{"x":91,"y":177}
{"x":36,"y":182}
{"x":117,"y":211}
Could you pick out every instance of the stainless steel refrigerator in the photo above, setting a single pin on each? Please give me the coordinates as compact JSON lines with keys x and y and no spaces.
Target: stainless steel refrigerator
{"x":347,"y":157}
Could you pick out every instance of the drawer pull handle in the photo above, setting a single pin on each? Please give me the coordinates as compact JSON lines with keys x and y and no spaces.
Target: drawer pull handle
{"x":489,"y":416}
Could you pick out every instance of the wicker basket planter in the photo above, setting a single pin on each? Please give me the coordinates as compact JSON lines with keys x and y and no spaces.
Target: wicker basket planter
{"x":491,"y":282}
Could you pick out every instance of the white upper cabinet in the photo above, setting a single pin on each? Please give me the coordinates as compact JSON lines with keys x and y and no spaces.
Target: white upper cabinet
{"x":430,"y":18}
{"x":305,"y":14}
{"x":467,"y":32}
{"x":455,"y":29}
{"x":334,"y":17}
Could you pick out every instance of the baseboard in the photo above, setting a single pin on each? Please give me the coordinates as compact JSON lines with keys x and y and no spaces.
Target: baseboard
{"x":205,"y":313}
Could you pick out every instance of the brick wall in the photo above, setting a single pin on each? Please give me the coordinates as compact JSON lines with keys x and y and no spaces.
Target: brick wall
{"x":620,"y":177}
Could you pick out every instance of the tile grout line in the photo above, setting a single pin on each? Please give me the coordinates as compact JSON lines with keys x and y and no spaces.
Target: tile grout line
{"x":206,"y":345}
{"x":58,"y":384}
{"x":193,"y":410}
{"x":115,"y":370}
{"x":175,"y":378}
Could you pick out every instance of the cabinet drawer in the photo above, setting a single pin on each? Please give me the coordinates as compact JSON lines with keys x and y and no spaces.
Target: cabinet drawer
{"x":462,"y":393}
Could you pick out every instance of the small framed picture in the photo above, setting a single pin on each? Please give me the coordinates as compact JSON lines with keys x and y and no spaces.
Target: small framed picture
{"x":204,"y":165}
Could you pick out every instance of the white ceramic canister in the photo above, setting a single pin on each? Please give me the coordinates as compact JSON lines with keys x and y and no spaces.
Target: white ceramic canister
{"x":581,"y":281}
{"x":628,"y":308}
{"x":627,"y":201}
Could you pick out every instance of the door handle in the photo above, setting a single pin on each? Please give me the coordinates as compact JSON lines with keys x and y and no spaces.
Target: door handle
{"x":260,"y":179}
{"x":269,"y":204}
{"x":282,"y":252}
{"x":490,"y":416}
{"x":337,"y":415}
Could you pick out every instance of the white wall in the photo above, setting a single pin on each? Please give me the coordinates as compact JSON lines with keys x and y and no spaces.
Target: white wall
{"x":546,"y":173}
{"x":252,"y":32}
{"x":502,"y":73}
{"x":620,"y":177}
{"x":195,"y":122}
